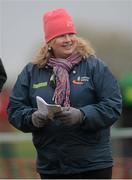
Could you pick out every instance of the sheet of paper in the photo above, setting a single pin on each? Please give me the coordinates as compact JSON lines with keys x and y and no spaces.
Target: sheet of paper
{"x":44,"y":107}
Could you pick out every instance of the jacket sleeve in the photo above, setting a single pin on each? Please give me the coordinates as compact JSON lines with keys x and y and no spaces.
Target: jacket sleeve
{"x":19,"y":107}
{"x":109,"y":105}
{"x":3,"y":76}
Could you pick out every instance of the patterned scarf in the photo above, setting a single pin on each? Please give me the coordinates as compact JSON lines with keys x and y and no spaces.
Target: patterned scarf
{"x":61,"y":69}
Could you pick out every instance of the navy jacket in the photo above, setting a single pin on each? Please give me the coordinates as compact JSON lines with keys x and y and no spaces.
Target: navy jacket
{"x":69,"y":149}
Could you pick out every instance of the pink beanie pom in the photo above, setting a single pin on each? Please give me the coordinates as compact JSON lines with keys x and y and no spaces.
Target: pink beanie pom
{"x":57,"y":22}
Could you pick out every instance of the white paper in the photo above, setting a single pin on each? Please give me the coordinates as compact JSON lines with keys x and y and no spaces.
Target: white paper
{"x":44,"y":107}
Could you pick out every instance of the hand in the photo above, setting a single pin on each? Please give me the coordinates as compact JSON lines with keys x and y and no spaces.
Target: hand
{"x":70,"y":116}
{"x":40,"y":119}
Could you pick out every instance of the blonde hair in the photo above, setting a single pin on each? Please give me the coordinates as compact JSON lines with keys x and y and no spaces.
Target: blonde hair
{"x":83,"y":47}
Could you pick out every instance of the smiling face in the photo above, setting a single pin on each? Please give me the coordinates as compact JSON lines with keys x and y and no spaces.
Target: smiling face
{"x":64,"y":45}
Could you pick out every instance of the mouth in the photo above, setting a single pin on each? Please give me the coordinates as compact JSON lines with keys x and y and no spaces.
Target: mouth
{"x":67,"y":46}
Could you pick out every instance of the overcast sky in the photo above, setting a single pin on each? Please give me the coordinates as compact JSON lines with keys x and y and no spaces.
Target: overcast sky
{"x":21,"y":24}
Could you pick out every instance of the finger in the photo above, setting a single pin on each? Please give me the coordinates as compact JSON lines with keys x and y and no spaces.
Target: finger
{"x":57,"y":114}
{"x":41,"y":118}
{"x":39,"y":123}
{"x":65,"y":108}
{"x":62,"y":114}
{"x":64,"y":119}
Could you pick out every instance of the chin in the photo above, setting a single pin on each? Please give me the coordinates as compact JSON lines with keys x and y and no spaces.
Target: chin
{"x":67,"y":55}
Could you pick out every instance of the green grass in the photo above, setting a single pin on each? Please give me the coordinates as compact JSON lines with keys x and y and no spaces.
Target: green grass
{"x":17,"y":150}
{"x":17,"y":160}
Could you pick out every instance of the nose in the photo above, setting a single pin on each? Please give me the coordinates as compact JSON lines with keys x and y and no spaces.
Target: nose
{"x":67,"y":37}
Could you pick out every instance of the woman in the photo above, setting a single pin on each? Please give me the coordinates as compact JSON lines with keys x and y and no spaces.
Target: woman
{"x":3,"y":76}
{"x":75,"y":143}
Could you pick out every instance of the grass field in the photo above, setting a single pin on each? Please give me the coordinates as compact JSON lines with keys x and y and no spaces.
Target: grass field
{"x":17,"y":161}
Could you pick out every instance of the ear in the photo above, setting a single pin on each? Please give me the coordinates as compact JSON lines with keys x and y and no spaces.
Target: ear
{"x":49,"y":48}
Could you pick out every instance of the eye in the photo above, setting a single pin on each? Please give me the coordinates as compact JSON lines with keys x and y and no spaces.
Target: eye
{"x":63,"y":35}
{"x":71,"y":34}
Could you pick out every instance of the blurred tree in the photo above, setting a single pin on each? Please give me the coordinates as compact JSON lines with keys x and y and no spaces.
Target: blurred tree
{"x":126,"y":88}
{"x":111,"y":46}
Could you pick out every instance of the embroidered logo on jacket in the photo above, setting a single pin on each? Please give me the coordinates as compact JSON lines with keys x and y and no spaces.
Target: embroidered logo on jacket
{"x":85,"y":78}
{"x":80,"y":80}
{"x":41,"y":84}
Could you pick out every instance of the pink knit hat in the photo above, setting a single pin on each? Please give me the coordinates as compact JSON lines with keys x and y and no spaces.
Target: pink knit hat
{"x":56,"y":23}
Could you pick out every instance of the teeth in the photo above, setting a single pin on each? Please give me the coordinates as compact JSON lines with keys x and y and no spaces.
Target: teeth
{"x":67,"y":45}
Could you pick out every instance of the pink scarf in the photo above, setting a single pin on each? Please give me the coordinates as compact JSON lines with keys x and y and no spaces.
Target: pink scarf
{"x":61,"y":68}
